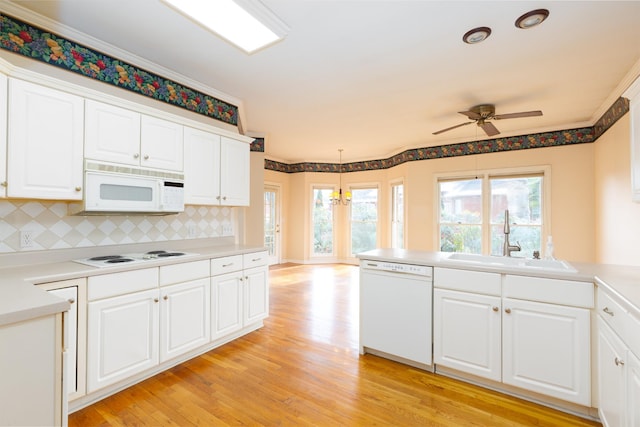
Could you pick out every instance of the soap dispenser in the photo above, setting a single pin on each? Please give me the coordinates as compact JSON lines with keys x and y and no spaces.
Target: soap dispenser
{"x":549,"y":252}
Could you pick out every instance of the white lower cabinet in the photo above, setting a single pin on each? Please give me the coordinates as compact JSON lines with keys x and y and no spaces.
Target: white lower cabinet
{"x":184,"y":318}
{"x":122,"y":337}
{"x":521,"y":336}
{"x":239,"y":292}
{"x":466,"y":332}
{"x":618,"y":364}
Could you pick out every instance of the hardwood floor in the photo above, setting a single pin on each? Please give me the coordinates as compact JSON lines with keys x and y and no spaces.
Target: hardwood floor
{"x":303,"y":368}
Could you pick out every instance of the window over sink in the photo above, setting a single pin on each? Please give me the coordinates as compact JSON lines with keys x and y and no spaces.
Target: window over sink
{"x":471,"y":210}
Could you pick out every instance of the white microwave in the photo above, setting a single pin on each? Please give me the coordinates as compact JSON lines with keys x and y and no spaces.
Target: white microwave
{"x":111,"y":189}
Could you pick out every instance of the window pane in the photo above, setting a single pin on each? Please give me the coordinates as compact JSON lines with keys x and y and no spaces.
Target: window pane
{"x":364,"y":219}
{"x":461,"y":202}
{"x":269,"y":221}
{"x":460,"y":238}
{"x":397,"y":216}
{"x":322,"y":222}
{"x":522,"y":196}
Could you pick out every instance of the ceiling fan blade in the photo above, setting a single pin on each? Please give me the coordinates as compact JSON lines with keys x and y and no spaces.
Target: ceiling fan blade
{"x":518,"y":115}
{"x":471,"y":114}
{"x":452,"y":127}
{"x":489,"y":128}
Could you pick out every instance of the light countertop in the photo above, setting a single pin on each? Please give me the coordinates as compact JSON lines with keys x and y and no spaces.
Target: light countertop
{"x":20,"y":300}
{"x":621,"y":280}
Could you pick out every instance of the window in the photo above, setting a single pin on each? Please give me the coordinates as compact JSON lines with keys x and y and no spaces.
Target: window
{"x":364,"y":219}
{"x":322,"y":222}
{"x":397,"y":216}
{"x":472,"y":212}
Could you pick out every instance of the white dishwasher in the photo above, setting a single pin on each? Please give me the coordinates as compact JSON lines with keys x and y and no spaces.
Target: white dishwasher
{"x":396,"y":304}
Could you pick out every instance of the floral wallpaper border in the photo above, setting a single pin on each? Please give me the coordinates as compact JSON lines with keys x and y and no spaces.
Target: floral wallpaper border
{"x":539,"y":140}
{"x":22,"y":38}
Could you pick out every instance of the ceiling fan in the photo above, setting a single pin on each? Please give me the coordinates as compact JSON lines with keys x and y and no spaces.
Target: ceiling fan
{"x":481,"y":114}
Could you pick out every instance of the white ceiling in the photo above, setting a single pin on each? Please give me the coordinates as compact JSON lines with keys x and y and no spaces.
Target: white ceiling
{"x":376,"y":77}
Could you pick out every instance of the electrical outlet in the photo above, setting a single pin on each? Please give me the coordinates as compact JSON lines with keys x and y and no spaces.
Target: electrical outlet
{"x":192,"y":231}
{"x":227,"y":230}
{"x":26,"y":239}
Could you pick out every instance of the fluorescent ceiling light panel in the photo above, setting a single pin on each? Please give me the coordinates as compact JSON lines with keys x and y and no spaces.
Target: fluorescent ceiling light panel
{"x":233,"y":22}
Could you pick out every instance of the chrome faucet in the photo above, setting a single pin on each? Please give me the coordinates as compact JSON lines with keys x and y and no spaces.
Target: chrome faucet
{"x":508,"y":247}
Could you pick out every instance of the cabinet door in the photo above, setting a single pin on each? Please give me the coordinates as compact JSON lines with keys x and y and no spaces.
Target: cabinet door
{"x":70,"y":337}
{"x":201,"y":167}
{"x":256,"y":294}
{"x":611,"y":374}
{"x":632,"y":365}
{"x":122,"y":337}
{"x":45,"y":138}
{"x":226,"y":304}
{"x":466,"y":330}
{"x":112,"y":134}
{"x":3,"y":135}
{"x":161,"y":144}
{"x":185,"y":317}
{"x":235,"y":170}
{"x":546,"y":349}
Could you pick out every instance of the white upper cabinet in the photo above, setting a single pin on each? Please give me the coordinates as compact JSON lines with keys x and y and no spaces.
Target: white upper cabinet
{"x":201,"y":167}
{"x":3,"y":135}
{"x":112,"y":134}
{"x":44,"y":147}
{"x":235,"y":169}
{"x":216,"y":169}
{"x":161,"y":144}
{"x":118,"y":135}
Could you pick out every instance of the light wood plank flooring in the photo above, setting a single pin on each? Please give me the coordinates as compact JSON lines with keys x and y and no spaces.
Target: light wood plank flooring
{"x":303,"y":368}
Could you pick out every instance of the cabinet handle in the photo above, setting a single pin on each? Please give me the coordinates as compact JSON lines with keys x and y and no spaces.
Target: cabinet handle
{"x":256,"y":259}
{"x":78,"y":188}
{"x":71,"y":300}
{"x":227,"y":265}
{"x":224,"y":198}
{"x":609,"y":312}
{"x":166,"y":297}
{"x":619,"y":362}
{"x":156,"y":300}
{"x":495,"y":309}
{"x":507,"y":310}
{"x":136,"y":155}
{"x":3,"y":183}
{"x":217,"y":197}
{"x":146,"y":157}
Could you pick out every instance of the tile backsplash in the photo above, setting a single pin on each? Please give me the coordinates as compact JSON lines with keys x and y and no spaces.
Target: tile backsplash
{"x":51,"y":228}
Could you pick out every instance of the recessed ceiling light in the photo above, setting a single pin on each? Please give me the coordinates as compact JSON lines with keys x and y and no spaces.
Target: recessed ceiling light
{"x":241,"y":22}
{"x":531,"y":19}
{"x":476,"y":35}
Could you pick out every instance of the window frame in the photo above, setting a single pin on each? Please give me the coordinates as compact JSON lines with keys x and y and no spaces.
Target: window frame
{"x":486,"y":175}
{"x":392,"y":210}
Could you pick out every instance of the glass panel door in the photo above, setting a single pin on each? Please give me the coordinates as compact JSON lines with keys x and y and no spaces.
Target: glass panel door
{"x":272,"y":239}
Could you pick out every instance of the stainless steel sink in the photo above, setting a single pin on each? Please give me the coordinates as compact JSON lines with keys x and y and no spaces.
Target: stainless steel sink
{"x":514,"y":262}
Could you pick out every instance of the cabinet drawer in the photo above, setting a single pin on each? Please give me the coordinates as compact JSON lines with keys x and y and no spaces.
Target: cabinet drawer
{"x":185,"y":272}
{"x":126,"y":282}
{"x":611,"y":312}
{"x":226,"y":264}
{"x":255,"y":259}
{"x":553,"y":291}
{"x":467,"y":281}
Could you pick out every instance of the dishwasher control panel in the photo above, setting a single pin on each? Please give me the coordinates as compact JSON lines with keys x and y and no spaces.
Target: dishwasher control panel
{"x":418,"y":270}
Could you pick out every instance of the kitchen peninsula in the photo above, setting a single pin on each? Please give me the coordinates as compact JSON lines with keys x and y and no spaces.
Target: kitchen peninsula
{"x":566,"y":335}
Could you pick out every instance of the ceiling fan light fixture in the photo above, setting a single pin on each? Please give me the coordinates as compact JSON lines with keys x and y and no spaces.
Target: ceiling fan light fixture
{"x":476,"y":35}
{"x":532,"y":18}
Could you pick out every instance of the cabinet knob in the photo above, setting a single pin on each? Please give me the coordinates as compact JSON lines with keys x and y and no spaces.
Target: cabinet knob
{"x":217,"y":197}
{"x":71,"y":300}
{"x":156,"y":300}
{"x":608,"y":311}
{"x":136,"y":155}
{"x":3,"y":183}
{"x":146,"y":157}
{"x":495,"y":309}
{"x":507,"y":310}
{"x":619,"y":362}
{"x":166,"y":297}
{"x":78,"y":188}
{"x":224,"y":198}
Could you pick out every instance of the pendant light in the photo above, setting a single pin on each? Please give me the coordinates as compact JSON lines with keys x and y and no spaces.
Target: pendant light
{"x":337,"y":198}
